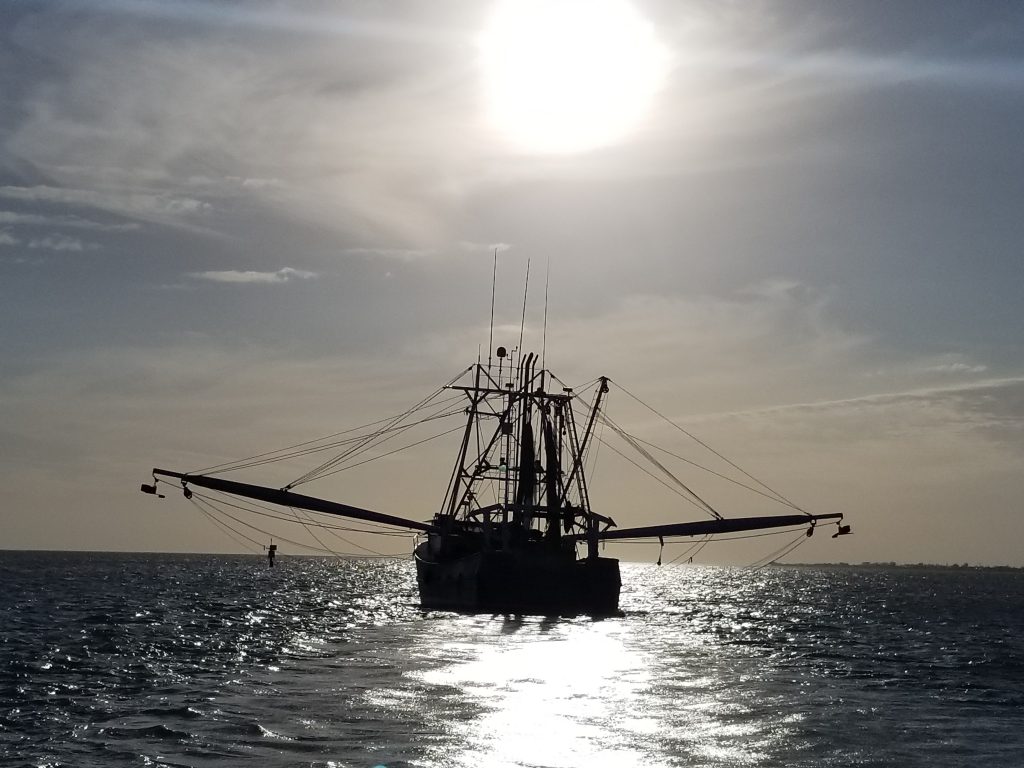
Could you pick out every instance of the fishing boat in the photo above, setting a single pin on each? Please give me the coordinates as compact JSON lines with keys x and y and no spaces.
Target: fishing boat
{"x":516,"y":531}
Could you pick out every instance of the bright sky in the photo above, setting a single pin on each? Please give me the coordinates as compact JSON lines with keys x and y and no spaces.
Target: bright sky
{"x":796,"y":228}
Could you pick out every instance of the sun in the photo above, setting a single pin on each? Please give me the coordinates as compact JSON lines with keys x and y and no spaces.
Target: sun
{"x":563,"y":76}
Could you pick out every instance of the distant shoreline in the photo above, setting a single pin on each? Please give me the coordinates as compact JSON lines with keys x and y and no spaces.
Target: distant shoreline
{"x":912,"y":566}
{"x":862,"y":565}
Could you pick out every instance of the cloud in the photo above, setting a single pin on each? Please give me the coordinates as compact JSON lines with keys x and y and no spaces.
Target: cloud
{"x":976,"y":397}
{"x":470,"y":246}
{"x":126,"y":202}
{"x":367,"y":130}
{"x":417,"y":254}
{"x":379,"y":139}
{"x":60,"y":243}
{"x":957,"y":368}
{"x":881,"y":70}
{"x":7,"y":238}
{"x":21,"y":260}
{"x":76,"y":222}
{"x":282,"y":275}
{"x":761,"y":344}
{"x":260,"y":183}
{"x":774,"y":345}
{"x":950,"y":364}
{"x":402,"y":254}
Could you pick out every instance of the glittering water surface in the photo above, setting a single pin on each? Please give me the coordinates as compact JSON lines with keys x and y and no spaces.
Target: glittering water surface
{"x":201,"y":660}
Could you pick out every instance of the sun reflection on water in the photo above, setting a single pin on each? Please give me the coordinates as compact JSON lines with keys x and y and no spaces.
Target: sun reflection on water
{"x":554,"y":694}
{"x":689,"y":676}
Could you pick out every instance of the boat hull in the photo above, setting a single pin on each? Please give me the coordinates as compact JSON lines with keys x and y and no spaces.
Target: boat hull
{"x":521,"y":581}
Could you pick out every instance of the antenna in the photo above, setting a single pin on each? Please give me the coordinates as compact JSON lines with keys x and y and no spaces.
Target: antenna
{"x":544,"y":344}
{"x":490,"y":338}
{"x":526,"y":291}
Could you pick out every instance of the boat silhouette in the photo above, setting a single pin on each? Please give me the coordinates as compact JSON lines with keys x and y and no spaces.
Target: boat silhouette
{"x":516,"y":532}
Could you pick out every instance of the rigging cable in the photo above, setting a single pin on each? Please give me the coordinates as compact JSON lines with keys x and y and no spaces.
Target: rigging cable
{"x":299,"y":544}
{"x":362,"y":444}
{"x":321,"y":542}
{"x":650,"y":457}
{"x":269,"y":514}
{"x":708,"y":447}
{"x":232,"y":532}
{"x":396,"y":450}
{"x":394,"y":421}
{"x":228,"y":466}
{"x":643,"y":469}
{"x":732,"y":480}
{"x":280,"y":455}
{"x":580,"y":388}
{"x":692,"y":550}
{"x":784,"y":550}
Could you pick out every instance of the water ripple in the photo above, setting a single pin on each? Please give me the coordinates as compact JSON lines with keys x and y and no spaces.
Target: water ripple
{"x":198,"y":660}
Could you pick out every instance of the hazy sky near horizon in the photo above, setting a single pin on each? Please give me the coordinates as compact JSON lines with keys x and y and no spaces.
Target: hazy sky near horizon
{"x":229,"y":227}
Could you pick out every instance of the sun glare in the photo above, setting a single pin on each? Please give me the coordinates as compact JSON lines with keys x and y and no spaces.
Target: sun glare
{"x":565,"y":76}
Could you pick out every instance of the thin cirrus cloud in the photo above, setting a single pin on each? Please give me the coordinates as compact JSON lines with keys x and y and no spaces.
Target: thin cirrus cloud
{"x":76,"y":222}
{"x":850,"y":66}
{"x":60,"y":243}
{"x":133,"y":203}
{"x":283,"y":275}
{"x":957,"y":368}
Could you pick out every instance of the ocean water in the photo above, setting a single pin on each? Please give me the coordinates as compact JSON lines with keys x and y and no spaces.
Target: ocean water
{"x":218,"y":661}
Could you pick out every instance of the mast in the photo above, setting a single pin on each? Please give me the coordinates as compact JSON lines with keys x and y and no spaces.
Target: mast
{"x":490,"y":336}
{"x":581,"y":447}
{"x":460,"y":465}
{"x":552,"y":470}
{"x":526,"y":474}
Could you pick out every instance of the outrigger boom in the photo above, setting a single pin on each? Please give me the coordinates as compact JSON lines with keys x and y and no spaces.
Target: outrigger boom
{"x":288,"y":499}
{"x":713,"y":527}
